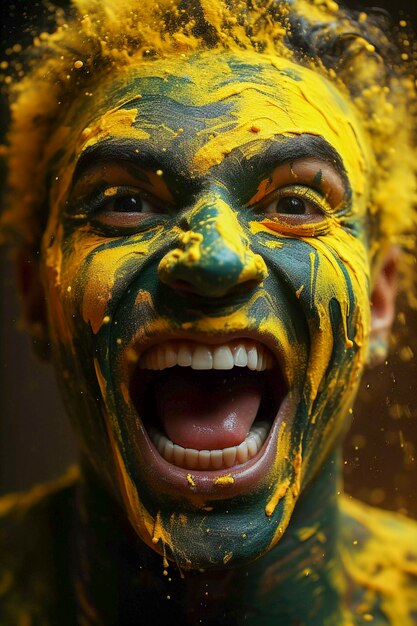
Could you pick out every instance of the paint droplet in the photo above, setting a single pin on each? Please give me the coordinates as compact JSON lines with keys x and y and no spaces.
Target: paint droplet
{"x":367,"y":617}
{"x":106,"y":319}
{"x":159,"y":172}
{"x":349,"y":343}
{"x":255,"y":128}
{"x":168,"y":597}
{"x":119,"y":341}
{"x":298,"y":292}
{"x":190,"y":480}
{"x":165,"y":573}
{"x":244,"y":536}
{"x":403,"y":23}
{"x":369,"y":47}
{"x":404,"y":56}
{"x":363,"y":17}
{"x":355,"y":542}
{"x":78,"y":65}
{"x":227,"y":557}
{"x":69,"y":288}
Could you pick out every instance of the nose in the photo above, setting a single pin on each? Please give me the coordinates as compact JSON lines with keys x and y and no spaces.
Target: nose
{"x":213,"y":258}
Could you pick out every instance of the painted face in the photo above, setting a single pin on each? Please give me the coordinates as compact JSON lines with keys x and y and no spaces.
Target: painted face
{"x":207,"y":276}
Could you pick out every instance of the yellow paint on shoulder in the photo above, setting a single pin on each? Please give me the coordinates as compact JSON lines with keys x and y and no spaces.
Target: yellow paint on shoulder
{"x":190,"y":480}
{"x":384,"y":565}
{"x":224,"y":480}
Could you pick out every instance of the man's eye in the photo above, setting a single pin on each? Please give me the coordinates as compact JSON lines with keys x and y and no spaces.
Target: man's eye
{"x":297,"y":201}
{"x":128,"y":203}
{"x":291,"y":206}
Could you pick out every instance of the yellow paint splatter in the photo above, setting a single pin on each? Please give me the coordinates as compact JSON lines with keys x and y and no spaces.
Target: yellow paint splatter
{"x":190,"y":480}
{"x":279,"y":492}
{"x":225,"y":480}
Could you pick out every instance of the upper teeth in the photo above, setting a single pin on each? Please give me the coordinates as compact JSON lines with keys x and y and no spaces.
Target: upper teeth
{"x":240,"y":353}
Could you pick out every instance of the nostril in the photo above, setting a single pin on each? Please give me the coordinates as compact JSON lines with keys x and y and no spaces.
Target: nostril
{"x":183,"y":285}
{"x":245,"y":287}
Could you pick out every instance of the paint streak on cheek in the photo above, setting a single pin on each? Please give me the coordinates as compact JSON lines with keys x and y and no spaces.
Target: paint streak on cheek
{"x":97,"y":272}
{"x":331,"y":257}
{"x":329,"y":283}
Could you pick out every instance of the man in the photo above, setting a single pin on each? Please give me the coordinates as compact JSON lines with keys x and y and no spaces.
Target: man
{"x":204,"y":195}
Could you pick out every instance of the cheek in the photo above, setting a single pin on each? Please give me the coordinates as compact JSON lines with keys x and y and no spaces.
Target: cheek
{"x":85,"y":277}
{"x":329,"y":280}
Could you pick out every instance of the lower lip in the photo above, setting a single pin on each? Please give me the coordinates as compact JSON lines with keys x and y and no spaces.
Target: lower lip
{"x":177,"y":481}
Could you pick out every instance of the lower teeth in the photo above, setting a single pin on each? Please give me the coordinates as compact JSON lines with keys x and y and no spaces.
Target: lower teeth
{"x":189,"y":458}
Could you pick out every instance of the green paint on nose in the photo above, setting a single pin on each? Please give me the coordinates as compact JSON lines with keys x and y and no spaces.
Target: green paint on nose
{"x":214,"y":254}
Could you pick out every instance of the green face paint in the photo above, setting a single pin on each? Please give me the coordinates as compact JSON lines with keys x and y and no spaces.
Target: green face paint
{"x":210,"y":214}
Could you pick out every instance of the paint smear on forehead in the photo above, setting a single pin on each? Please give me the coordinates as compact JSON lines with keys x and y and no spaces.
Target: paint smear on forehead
{"x":265,"y":96}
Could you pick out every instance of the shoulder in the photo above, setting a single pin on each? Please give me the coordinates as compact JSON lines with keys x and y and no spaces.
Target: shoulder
{"x":379,"y":553}
{"x":34,"y":535}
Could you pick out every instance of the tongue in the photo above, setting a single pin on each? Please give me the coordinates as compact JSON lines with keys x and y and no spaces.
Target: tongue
{"x":208,"y":410}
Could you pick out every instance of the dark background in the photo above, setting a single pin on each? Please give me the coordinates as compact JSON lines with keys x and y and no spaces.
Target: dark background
{"x":35,"y":440}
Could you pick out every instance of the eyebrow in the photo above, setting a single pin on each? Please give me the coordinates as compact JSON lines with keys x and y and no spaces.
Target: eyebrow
{"x":142,"y":156}
{"x":289,"y":149}
{"x":114,"y":151}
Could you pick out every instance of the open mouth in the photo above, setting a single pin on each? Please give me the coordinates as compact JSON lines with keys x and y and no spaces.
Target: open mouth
{"x":208,"y":407}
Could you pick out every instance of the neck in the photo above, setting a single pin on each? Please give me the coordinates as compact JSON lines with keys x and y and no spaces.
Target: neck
{"x":296,"y":582}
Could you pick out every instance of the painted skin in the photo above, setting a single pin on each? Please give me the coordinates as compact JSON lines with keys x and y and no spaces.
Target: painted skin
{"x":250,"y":178}
{"x":212,"y":257}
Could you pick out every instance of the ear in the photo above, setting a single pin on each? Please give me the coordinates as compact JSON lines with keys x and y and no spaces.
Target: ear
{"x":33,"y":300}
{"x":383,"y":299}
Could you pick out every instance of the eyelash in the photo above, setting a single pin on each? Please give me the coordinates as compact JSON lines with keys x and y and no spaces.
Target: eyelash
{"x":96,"y":203}
{"x":303,"y":192}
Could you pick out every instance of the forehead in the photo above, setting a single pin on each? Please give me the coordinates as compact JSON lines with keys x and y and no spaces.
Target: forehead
{"x":208,"y":105}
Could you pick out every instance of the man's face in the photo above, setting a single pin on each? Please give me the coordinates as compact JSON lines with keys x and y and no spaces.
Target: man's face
{"x":207,"y":277}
